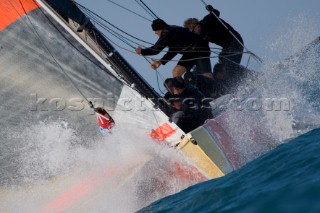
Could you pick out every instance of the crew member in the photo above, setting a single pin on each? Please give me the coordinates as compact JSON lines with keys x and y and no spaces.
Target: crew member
{"x":194,"y":50}
{"x":193,"y":109}
{"x":217,"y":31}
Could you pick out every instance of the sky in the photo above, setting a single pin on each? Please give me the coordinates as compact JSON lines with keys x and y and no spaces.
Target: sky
{"x":273,"y":29}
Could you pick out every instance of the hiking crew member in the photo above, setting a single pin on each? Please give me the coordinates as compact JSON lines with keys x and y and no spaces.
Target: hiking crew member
{"x":216,"y":31}
{"x":220,"y":75}
{"x":192,"y":108}
{"x":194,"y":50}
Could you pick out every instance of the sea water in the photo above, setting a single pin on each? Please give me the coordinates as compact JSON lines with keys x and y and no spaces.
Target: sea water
{"x":287,"y":179}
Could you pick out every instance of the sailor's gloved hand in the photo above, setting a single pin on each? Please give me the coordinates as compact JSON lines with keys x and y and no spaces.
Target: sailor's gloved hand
{"x":175,"y":117}
{"x":210,"y":8}
{"x":138,"y":51}
{"x":155,"y":64}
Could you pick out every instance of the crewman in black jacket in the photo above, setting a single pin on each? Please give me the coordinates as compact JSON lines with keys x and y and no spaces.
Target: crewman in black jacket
{"x":192,"y":108}
{"x":217,"y":31}
{"x":194,"y":50}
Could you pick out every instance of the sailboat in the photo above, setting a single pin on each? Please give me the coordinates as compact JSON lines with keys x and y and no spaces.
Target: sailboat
{"x":50,"y":51}
{"x":37,"y":20}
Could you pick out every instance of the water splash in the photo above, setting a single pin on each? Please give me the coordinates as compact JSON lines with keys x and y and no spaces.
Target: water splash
{"x":51,"y":160}
{"x":283,"y":103}
{"x":298,"y":30}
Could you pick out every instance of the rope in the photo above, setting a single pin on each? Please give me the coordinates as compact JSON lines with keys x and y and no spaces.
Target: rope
{"x":84,"y":55}
{"x":122,"y":38}
{"x":128,"y":10}
{"x":146,"y":8}
{"x":45,"y":46}
{"x":115,"y":34}
{"x":125,"y":39}
{"x":91,"y":12}
{"x":93,"y":15}
{"x":73,"y":83}
{"x":157,"y":72}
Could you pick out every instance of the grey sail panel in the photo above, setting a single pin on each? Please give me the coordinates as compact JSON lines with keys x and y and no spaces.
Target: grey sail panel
{"x":37,"y":60}
{"x":69,"y":11}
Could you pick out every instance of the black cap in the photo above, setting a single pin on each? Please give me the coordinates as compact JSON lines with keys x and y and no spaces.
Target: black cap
{"x":168,"y":82}
{"x":178,"y":82}
{"x":218,"y":67}
{"x":158,"y":24}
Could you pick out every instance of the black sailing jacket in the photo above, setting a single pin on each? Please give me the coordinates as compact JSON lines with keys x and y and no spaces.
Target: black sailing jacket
{"x":213,"y":30}
{"x":178,"y":40}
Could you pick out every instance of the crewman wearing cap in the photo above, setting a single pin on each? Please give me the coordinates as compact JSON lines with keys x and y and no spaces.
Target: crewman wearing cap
{"x":192,"y":108}
{"x":195,"y":51}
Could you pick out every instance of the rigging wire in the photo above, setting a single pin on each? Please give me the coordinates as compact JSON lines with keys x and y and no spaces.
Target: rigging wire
{"x":123,"y":38}
{"x":128,"y":10}
{"x":127,"y":41}
{"x":251,"y":53}
{"x":147,"y":9}
{"x":144,"y":8}
{"x":124,"y":32}
{"x":158,"y":74}
{"x":112,"y":32}
{"x":93,"y":14}
{"x":118,"y":36}
{"x":76,"y":48}
{"x":120,"y":79}
{"x":55,"y":60}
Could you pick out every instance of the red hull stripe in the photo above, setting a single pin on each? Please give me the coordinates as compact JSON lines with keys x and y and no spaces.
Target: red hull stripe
{"x":11,"y":10}
{"x":86,"y":187}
